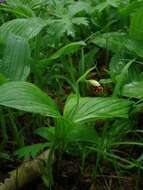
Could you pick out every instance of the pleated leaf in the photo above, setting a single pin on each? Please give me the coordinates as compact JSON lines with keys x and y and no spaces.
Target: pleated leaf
{"x":17,"y":8}
{"x":3,"y":79}
{"x":83,"y":134}
{"x":27,"y":97}
{"x":136,"y":27}
{"x":133,"y":90}
{"x":96,"y":108}
{"x":27,"y":28}
{"x":15,"y":64}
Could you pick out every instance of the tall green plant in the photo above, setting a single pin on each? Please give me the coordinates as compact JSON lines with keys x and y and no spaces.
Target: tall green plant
{"x":69,"y":127}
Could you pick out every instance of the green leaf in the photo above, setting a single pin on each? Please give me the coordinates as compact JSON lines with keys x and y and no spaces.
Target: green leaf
{"x":117,"y":41}
{"x":122,"y":78}
{"x":90,"y":57}
{"x":130,"y":8}
{"x":60,"y":134}
{"x":113,"y":41}
{"x":27,"y":97}
{"x":26,"y":28}
{"x":83,"y":134}
{"x":117,"y":65}
{"x":95,"y":108}
{"x":37,"y":4}
{"x":80,"y":21}
{"x":106,"y":4}
{"x":101,"y":6}
{"x":31,"y":150}
{"x":62,"y":129}
{"x":134,"y":46}
{"x":66,"y":50}
{"x":114,"y":3}
{"x":79,"y":6}
{"x":136,"y":27}
{"x":133,"y":90}
{"x":47,"y":133}
{"x":3,"y":79}
{"x":17,"y":8}
{"x":15,"y":64}
{"x":63,"y":23}
{"x":65,"y":26}
{"x":5,"y":156}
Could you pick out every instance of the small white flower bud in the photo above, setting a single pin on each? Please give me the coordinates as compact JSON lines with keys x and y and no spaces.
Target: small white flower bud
{"x":94,"y":83}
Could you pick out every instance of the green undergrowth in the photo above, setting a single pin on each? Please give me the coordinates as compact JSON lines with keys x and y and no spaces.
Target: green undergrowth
{"x":71,"y":81}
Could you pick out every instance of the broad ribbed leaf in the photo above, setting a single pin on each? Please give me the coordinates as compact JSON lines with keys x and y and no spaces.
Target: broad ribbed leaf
{"x":15,"y":64}
{"x":27,"y":28}
{"x":95,"y":108}
{"x":17,"y":8}
{"x":83,"y":134}
{"x":27,"y":97}
{"x":133,"y":90}
{"x":136,"y":27}
{"x":3,"y":79}
{"x":76,"y":133}
{"x":131,"y":8}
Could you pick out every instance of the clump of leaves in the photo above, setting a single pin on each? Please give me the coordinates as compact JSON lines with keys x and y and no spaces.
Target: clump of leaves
{"x":51,"y":40}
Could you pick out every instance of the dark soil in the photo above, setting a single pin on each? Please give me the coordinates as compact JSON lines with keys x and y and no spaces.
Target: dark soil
{"x":68,"y":176}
